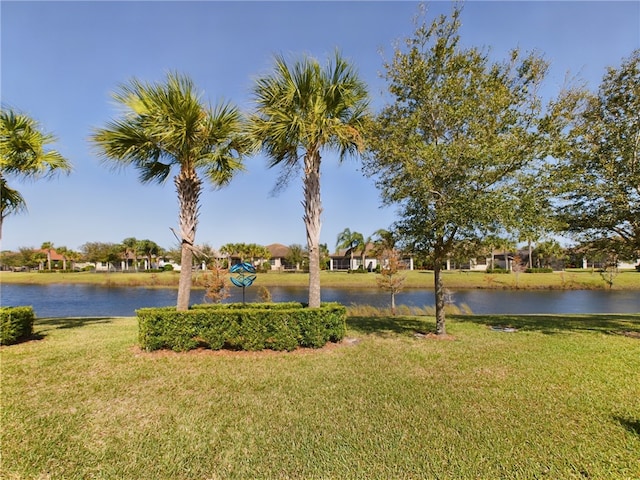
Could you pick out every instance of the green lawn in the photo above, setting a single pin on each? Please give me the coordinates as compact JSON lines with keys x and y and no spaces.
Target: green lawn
{"x":557,"y":399}
{"x":576,"y":279}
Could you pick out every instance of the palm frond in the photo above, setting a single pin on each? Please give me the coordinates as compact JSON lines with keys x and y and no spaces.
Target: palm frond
{"x":11,"y":201}
{"x":166,"y":124}
{"x":301,"y":106}
{"x":23,"y":149}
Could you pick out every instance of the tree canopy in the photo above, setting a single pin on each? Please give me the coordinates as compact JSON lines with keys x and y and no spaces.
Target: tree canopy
{"x":599,"y":168}
{"x":449,"y":149}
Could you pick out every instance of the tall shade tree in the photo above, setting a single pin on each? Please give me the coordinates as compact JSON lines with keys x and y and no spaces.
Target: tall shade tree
{"x":24,"y":155}
{"x":301,"y":110}
{"x":599,"y":173}
{"x":166,"y":126}
{"x":449,"y":147}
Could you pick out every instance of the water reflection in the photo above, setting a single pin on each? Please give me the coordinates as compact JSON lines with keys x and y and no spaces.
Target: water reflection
{"x":91,"y":300}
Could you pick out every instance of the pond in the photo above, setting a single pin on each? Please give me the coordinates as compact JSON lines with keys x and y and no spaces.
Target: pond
{"x":90,"y":300}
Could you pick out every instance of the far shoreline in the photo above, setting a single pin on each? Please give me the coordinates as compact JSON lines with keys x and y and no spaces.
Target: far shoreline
{"x":416,"y":279}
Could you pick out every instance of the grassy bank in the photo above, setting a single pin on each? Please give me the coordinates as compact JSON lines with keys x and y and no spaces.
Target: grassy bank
{"x":558,"y":398}
{"x":575,"y":280}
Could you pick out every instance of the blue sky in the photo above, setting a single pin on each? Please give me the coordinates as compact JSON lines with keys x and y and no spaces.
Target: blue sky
{"x":60,"y":61}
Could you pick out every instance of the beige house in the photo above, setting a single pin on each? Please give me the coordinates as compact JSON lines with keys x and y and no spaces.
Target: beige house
{"x":279,"y":254}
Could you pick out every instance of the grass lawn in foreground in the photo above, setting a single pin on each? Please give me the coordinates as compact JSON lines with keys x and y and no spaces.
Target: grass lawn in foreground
{"x":575,"y":279}
{"x":557,"y":399}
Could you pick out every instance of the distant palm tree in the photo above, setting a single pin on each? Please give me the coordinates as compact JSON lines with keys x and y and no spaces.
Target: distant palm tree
{"x":349,"y":241}
{"x":130,"y":245}
{"x":23,"y":155}
{"x":302,"y":109}
{"x":166,"y":125}
{"x":148,"y":249}
{"x":48,"y":247}
{"x":386,"y":239}
{"x":362,"y":249}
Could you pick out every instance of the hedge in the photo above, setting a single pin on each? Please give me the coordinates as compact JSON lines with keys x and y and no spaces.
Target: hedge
{"x":16,"y":324}
{"x":539,"y":270}
{"x":236,"y":326}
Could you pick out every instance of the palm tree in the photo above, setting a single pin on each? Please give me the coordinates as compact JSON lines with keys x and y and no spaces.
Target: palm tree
{"x":166,"y":125}
{"x":350,"y":241}
{"x":23,"y":155}
{"x":48,"y":247}
{"x":362,"y":248}
{"x":148,"y":249}
{"x":301,"y":110}
{"x":386,"y":239}
{"x":72,"y":256}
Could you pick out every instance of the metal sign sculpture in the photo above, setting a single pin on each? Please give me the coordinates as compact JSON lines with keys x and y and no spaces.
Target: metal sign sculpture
{"x":245,"y":275}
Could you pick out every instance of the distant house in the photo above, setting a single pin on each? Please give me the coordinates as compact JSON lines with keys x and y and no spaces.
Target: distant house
{"x":278,"y":260}
{"x":622,"y":264}
{"x":341,"y":260}
{"x":500,"y":259}
{"x":57,"y":260}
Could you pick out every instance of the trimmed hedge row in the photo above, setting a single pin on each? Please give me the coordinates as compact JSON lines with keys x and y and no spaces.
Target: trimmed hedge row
{"x":254,"y":326}
{"x":16,"y":323}
{"x":539,"y":270}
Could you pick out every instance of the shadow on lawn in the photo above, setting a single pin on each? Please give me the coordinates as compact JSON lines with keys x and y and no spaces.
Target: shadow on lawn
{"x":70,"y":322}
{"x":631,"y":425}
{"x":390,"y":325}
{"x":619,"y":324}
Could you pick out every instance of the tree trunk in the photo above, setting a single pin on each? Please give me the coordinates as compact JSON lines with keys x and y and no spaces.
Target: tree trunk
{"x":184,"y":283}
{"x":439,"y":294}
{"x":312,"y":212}
{"x":530,"y":254}
{"x":188,"y":186}
{"x":393,"y":303}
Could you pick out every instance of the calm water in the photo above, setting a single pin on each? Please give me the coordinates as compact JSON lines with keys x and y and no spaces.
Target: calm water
{"x":89,"y":300}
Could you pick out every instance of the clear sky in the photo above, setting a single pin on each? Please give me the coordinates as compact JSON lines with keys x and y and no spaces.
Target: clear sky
{"x":60,"y":61}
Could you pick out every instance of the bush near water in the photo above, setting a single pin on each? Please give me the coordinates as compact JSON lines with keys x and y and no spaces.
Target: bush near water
{"x":16,"y":324}
{"x":254,"y":326}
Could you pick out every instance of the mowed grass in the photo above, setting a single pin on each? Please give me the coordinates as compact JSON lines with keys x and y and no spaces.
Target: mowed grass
{"x":558,"y":398}
{"x":575,"y":279}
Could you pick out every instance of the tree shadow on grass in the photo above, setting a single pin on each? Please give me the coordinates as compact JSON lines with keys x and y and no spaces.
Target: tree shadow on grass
{"x":619,"y":324}
{"x":609,"y":324}
{"x":384,"y":326}
{"x":70,"y":322}
{"x":630,"y":424}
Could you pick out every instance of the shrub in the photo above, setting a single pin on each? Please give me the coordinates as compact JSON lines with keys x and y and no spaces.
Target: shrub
{"x":254,"y":326}
{"x":497,"y":270}
{"x":539,"y":270}
{"x":16,"y":323}
{"x":264,"y":294}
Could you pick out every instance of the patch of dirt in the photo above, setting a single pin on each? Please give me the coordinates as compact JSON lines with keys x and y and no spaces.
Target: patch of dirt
{"x":433,"y":336}
{"x":206,"y":352}
{"x":503,"y":328}
{"x":631,"y":334}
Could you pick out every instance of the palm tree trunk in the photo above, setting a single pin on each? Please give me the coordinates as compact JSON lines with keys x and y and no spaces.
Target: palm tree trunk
{"x":188,"y":186}
{"x":312,"y":212}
